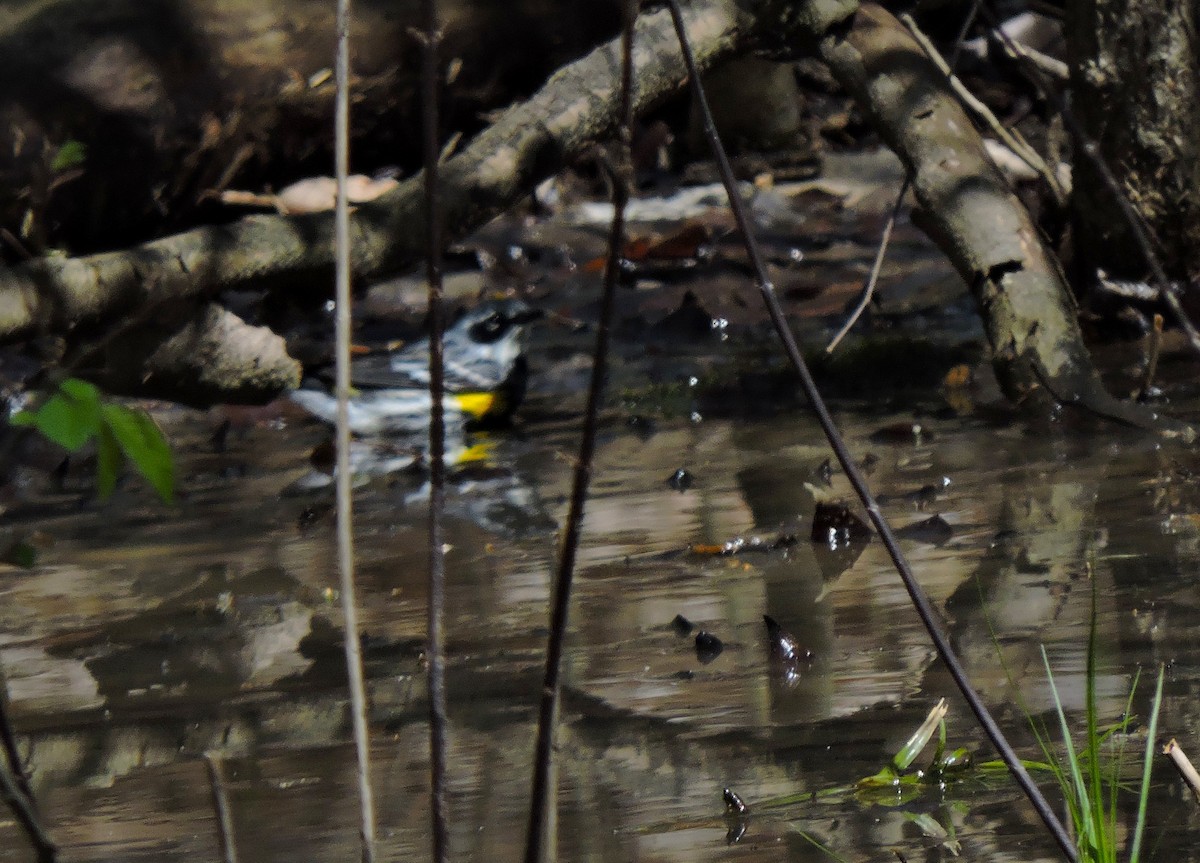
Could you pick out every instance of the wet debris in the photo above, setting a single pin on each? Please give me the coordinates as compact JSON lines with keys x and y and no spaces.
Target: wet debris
{"x":682,"y":625}
{"x":734,"y":805}
{"x":689,"y":323}
{"x":824,"y":473}
{"x":835,"y":527}
{"x":789,"y":658}
{"x":737,"y":816}
{"x":934,"y":530}
{"x":681,"y":480}
{"x":785,"y":648}
{"x":642,"y":426}
{"x":745,"y":545}
{"x":902,"y":433}
{"x":921,"y":497}
{"x":708,"y":646}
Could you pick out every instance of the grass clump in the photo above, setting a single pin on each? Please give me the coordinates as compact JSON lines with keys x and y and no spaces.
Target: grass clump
{"x":1091,"y":784}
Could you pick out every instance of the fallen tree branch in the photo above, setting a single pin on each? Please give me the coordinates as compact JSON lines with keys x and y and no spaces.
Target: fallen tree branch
{"x":969,"y":211}
{"x":531,"y":141}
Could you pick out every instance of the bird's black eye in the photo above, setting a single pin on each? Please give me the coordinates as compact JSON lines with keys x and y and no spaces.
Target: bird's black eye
{"x":489,"y":329}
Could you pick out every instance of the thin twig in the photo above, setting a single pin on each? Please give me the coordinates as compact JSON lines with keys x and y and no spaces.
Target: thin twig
{"x":838,"y":445}
{"x":23,"y":808}
{"x":1184,"y":765}
{"x":8,"y":737}
{"x":1011,"y":138}
{"x":1052,"y":66}
{"x":868,"y":290}
{"x":345,"y":532}
{"x":1091,"y":150}
{"x":548,"y":709}
{"x":434,"y":651}
{"x":216,"y":781}
{"x":1154,"y":349}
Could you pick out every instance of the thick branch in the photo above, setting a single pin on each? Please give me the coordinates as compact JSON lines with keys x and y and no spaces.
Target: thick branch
{"x":529,"y":142}
{"x":968,"y":209}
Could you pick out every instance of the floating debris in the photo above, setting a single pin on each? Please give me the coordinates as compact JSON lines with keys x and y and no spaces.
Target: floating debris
{"x":784,"y":646}
{"x":934,"y":530}
{"x":708,"y":646}
{"x":835,"y":526}
{"x":681,"y":480}
{"x":682,"y":625}
{"x":737,"y":816}
{"x":743,"y":545}
{"x":734,"y":805}
{"x":903,"y":433}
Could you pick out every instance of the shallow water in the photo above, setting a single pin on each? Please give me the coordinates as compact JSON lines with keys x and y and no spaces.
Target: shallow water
{"x":145,"y":636}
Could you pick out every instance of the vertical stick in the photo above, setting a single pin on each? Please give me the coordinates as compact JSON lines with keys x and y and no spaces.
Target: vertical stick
{"x":212,"y":761}
{"x":345,"y":535}
{"x":916,"y":593}
{"x":548,"y":710}
{"x":434,"y":651}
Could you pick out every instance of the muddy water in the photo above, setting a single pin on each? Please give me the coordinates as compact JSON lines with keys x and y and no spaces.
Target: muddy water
{"x":144,"y":637}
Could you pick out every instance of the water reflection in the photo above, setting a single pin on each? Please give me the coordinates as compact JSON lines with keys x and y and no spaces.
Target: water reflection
{"x":214,"y":627}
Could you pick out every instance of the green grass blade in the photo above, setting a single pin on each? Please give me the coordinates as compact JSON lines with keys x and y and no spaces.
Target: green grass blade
{"x":1135,"y":846}
{"x":1081,"y":802}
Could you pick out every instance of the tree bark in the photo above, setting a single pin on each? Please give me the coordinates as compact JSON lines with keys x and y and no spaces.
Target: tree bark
{"x":1030,"y":318}
{"x":530,"y":142}
{"x":1135,"y":77}
{"x":970,"y":212}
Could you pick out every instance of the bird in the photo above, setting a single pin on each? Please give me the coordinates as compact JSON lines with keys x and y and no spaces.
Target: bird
{"x":484,"y":376}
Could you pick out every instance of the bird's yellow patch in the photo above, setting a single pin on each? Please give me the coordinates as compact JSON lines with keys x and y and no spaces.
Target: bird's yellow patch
{"x":478,"y":405}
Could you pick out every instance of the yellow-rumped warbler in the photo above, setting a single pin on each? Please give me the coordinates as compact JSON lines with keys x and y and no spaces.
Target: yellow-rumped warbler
{"x":484,"y":376}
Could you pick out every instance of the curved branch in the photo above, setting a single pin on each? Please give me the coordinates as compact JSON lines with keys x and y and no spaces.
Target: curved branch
{"x":530,"y":142}
{"x":970,"y":212}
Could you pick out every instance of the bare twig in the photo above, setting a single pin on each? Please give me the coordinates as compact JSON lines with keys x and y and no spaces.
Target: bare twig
{"x":434,"y":653}
{"x":869,"y":287}
{"x":27,"y":816}
{"x":548,"y":709}
{"x":1152,"y":352}
{"x":916,"y":593}
{"x":868,"y":290}
{"x":1011,"y":138}
{"x":345,"y":532}
{"x":1052,"y":66}
{"x":1091,"y":150}
{"x":212,"y":761}
{"x":1184,"y":765}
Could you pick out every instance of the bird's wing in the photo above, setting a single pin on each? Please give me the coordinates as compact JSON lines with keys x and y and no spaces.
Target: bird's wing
{"x":379,"y":372}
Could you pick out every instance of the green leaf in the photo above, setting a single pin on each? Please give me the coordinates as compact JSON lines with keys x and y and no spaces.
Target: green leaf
{"x":109,"y":461}
{"x":70,"y":417}
{"x":71,"y":154}
{"x":142,"y":441}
